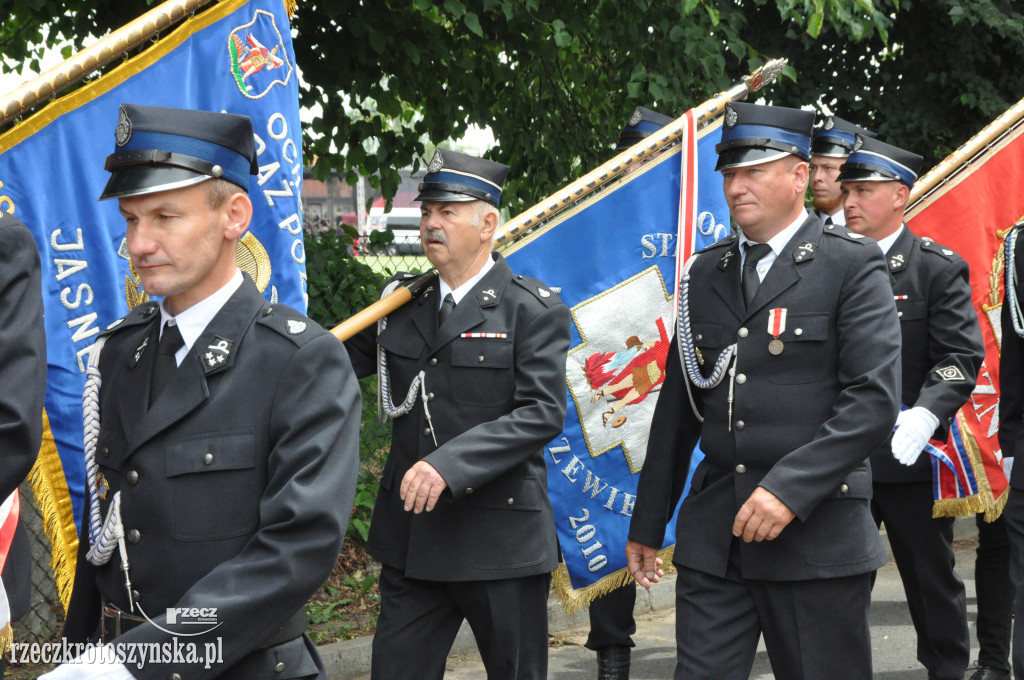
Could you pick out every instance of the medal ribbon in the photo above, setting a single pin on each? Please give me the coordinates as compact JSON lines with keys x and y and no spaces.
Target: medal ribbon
{"x":776,"y":321}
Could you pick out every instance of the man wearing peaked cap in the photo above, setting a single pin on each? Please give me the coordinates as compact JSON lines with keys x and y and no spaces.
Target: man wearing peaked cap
{"x":829,"y":148}
{"x":642,"y":123}
{"x":942,"y":352}
{"x":225,"y":460}
{"x":462,"y":525}
{"x":775,"y":536}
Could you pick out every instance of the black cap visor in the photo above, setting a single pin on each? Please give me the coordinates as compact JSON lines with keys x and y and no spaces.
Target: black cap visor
{"x":822,"y":147}
{"x":139,"y":179}
{"x":855,"y":172}
{"x":742,"y":157}
{"x":442,"y":193}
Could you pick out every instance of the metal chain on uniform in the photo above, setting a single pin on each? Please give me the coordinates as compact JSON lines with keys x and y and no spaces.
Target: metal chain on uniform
{"x":688,"y":352}
{"x":385,"y":406}
{"x":1012,"y":282}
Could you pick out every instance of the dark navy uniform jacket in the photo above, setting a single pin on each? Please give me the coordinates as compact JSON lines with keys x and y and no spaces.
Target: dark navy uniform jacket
{"x":942,"y":346}
{"x":803,"y":421}
{"x":23,"y":387}
{"x":236,"y":486}
{"x":1011,"y":377}
{"x":495,"y":377}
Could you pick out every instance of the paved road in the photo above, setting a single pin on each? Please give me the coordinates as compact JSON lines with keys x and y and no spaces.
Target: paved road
{"x":892,"y":635}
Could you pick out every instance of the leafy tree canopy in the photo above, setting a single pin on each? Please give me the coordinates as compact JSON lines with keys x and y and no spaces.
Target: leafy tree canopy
{"x":556,"y":81}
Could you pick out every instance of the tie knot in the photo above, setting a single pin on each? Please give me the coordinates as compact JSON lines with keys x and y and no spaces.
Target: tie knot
{"x":170,"y":340}
{"x":754,"y":253}
{"x":447,"y":305}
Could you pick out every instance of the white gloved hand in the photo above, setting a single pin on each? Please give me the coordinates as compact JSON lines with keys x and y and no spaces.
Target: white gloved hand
{"x":913,"y":429}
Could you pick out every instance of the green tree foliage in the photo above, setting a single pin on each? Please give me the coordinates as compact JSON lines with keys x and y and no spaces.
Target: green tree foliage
{"x":555,"y":81}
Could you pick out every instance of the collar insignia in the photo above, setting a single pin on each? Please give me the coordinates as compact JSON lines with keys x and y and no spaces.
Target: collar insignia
{"x":139,"y":351}
{"x":217,"y":353}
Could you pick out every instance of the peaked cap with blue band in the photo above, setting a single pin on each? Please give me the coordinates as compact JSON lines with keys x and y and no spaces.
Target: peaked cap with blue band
{"x":875,"y":161}
{"x":159,"y":149}
{"x":753,"y":134}
{"x":642,"y":123}
{"x":836,"y":138}
{"x":454,"y":176}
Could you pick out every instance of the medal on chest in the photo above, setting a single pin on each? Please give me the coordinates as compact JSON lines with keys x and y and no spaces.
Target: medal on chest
{"x":776,"y":325}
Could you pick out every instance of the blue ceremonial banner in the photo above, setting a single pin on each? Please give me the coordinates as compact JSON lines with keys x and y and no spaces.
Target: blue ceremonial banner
{"x":615,"y":260}
{"x":237,"y":57}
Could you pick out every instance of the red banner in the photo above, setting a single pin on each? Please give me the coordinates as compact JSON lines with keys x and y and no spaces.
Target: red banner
{"x":969,"y":202}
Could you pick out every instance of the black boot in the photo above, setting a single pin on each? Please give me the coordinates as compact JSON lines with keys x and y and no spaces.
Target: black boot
{"x":613,"y":663}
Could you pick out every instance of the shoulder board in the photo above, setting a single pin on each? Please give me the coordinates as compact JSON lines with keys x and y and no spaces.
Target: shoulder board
{"x":844,"y":233}
{"x":930,"y":246}
{"x":142,"y":314}
{"x":538,"y":289}
{"x":286,"y":321}
{"x":726,"y":242}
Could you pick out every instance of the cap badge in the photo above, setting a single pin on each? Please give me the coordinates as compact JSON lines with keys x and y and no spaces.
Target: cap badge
{"x":636,"y":117}
{"x":829,"y":124}
{"x":730,"y":116}
{"x":123,"y":131}
{"x":437,"y":162}
{"x":858,"y":142}
{"x":296,"y":327}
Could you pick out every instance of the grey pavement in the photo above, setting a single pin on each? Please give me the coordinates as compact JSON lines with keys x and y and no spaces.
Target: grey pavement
{"x":892,"y":635}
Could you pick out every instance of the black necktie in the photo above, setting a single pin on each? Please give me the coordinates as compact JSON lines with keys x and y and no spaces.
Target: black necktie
{"x":754,"y":253}
{"x":447,"y":305}
{"x":165,"y":364}
{"x":828,"y":220}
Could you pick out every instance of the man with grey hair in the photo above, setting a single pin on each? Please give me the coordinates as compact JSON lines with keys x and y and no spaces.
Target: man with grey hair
{"x":463,"y":526}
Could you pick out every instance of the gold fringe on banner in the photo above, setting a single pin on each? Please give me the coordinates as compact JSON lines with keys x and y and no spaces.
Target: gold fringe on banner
{"x":54,"y":503}
{"x":6,"y":639}
{"x":983,"y":501}
{"x":574,"y":600}
{"x":291,"y":6}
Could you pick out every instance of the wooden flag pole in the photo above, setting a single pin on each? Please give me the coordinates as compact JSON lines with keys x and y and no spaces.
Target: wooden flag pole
{"x":96,"y":56}
{"x":534,"y":216}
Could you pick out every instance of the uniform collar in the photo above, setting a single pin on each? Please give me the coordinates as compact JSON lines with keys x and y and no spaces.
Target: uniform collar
{"x":886,"y":243}
{"x":462,"y":290}
{"x":194,"y":320}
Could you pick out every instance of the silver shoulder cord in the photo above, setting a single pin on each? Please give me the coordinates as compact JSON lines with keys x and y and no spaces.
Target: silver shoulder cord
{"x":1012,"y":281}
{"x":108,"y":533}
{"x":385,"y":406}
{"x":688,"y":352}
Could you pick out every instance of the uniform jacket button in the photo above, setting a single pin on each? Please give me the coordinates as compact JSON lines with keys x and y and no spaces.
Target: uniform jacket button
{"x":136,"y":595}
{"x":430,"y":396}
{"x":741,"y":468}
{"x":132,"y":477}
{"x":426,"y":432}
{"x":174,"y":676}
{"x":208,"y":459}
{"x":480,"y":359}
{"x":798,"y":331}
{"x":279,"y":667}
{"x":511,"y":501}
{"x":133,"y":536}
{"x":844,"y":488}
{"x":106,"y":452}
{"x":741,"y":378}
{"x":740,"y":424}
{"x":433,"y":361}
{"x":742,"y":332}
{"x":469,"y":491}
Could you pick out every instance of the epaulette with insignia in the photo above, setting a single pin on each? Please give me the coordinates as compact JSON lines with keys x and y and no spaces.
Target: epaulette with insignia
{"x":538,"y":289}
{"x":843,"y":232}
{"x":727,"y":241}
{"x":930,"y":246}
{"x":289,"y":323}
{"x":139,"y":315}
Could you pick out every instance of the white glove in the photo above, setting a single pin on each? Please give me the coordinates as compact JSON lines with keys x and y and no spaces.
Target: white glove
{"x":913,"y":429}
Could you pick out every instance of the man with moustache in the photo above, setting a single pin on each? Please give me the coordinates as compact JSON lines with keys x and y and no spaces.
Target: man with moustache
{"x":768,"y":370}
{"x":463,"y":526}
{"x":829,"y":148}
{"x":942,"y":352}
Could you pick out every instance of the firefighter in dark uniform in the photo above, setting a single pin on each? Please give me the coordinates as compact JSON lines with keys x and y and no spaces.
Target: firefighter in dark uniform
{"x":1011,"y":415}
{"x":830,"y":147}
{"x":23,"y":370}
{"x":223,"y":455}
{"x":776,"y":535}
{"x":463,"y":526}
{"x":942,"y":352}
{"x":611,"y":615}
